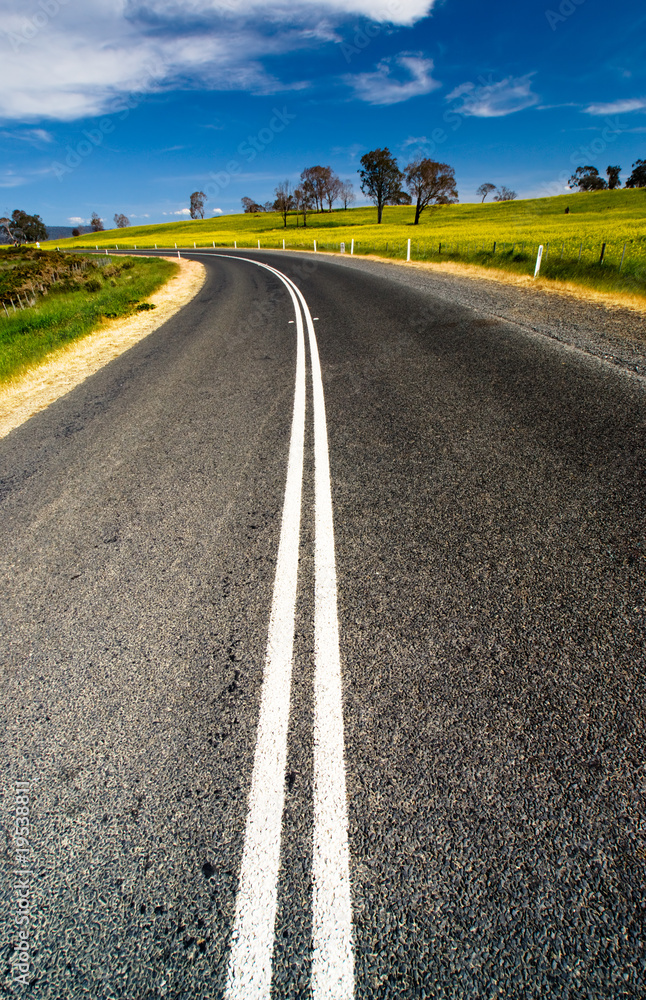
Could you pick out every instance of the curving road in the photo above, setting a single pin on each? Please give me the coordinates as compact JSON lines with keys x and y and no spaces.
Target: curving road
{"x":449,"y":802}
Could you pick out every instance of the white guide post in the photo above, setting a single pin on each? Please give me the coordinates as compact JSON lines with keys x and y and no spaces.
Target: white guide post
{"x":352,"y":247}
{"x":314,"y":246}
{"x":259,"y":244}
{"x":408,"y":251}
{"x":283,"y":244}
{"x":539,"y":257}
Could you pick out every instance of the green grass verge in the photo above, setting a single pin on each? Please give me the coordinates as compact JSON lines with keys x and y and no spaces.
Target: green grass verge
{"x":27,"y":336}
{"x":466,"y":233}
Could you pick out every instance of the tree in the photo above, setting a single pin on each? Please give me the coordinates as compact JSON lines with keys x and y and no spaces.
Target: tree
{"x":504,"y":194}
{"x":332,"y":188}
{"x":485,"y":189}
{"x":381,"y":178}
{"x":638,"y":177}
{"x":613,"y":177}
{"x":346,"y":193}
{"x":316,"y":179}
{"x":430,"y":183}
{"x":197,"y":204}
{"x":587,"y":179}
{"x":249,"y":205}
{"x":268,"y":206}
{"x":284,"y":200}
{"x":32,"y":226}
{"x":76,"y":232}
{"x":11,"y":233}
{"x":303,"y":200}
{"x":121,"y":221}
{"x":96,"y":223}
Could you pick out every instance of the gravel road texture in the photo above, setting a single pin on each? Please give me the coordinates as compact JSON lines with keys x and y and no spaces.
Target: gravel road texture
{"x":488,"y":489}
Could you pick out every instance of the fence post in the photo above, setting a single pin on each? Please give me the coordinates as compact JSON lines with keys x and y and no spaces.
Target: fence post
{"x":539,"y":257}
{"x":603,"y":253}
{"x":408,"y":251}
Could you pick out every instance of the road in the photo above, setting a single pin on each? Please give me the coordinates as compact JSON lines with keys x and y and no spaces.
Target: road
{"x":437,"y":791}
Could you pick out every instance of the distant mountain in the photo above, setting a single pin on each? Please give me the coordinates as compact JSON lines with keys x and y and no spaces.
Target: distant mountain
{"x":65,"y":232}
{"x":58,"y":233}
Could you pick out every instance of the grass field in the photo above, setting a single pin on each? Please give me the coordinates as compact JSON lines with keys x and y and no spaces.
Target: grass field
{"x":572,"y":241}
{"x":70,"y":296}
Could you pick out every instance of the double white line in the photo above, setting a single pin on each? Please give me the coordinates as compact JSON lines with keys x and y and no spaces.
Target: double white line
{"x":252,"y":943}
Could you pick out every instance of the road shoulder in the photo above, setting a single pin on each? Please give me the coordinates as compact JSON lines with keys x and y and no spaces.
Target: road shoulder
{"x":67,"y":367}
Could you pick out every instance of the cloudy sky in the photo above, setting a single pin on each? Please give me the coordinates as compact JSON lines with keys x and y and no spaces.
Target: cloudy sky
{"x":129,"y":105}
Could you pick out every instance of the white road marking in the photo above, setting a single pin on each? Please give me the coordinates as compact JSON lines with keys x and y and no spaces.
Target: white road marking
{"x":252,"y":938}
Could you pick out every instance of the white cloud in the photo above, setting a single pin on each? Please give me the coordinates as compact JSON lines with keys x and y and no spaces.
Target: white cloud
{"x":182,"y":211}
{"x":76,"y":220}
{"x":617,"y":107}
{"x":494,"y":100}
{"x":34,"y":136}
{"x":86,"y":59}
{"x":397,"y":78}
{"x":217,"y":211}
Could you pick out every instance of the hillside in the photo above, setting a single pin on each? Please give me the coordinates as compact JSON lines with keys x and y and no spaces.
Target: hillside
{"x":500,"y":234}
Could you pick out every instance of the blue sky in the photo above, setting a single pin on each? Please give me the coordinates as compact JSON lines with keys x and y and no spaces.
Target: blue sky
{"x":130,"y":105}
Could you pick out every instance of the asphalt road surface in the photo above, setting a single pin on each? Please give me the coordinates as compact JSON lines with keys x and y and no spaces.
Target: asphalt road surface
{"x":405,"y":760}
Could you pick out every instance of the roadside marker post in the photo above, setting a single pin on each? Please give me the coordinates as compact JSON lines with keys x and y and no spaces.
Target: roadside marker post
{"x":283,"y":244}
{"x":352,"y":247}
{"x":408,"y":251}
{"x":539,"y":257}
{"x":314,"y":246}
{"x":259,"y":244}
{"x":342,"y":248}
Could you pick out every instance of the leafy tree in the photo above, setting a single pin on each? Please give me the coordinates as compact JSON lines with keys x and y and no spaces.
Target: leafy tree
{"x":10,"y":233}
{"x":638,"y":177}
{"x":76,"y":232}
{"x":381,"y":178}
{"x":32,"y":226}
{"x":613,"y":177}
{"x":197,"y":204}
{"x":429,"y":183}
{"x":121,"y":221}
{"x":96,"y":223}
{"x":346,"y":193}
{"x":284,"y":200}
{"x":485,"y":189}
{"x":249,"y":205}
{"x":587,"y":179}
{"x":504,"y":194}
{"x":268,"y":206}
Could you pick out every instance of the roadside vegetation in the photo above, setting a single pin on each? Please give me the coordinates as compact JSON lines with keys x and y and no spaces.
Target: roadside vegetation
{"x":572,"y":228}
{"x":48,"y":299}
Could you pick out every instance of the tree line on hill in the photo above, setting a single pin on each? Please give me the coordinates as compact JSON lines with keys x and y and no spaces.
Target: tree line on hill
{"x":422,"y":182}
{"x":589,"y":179}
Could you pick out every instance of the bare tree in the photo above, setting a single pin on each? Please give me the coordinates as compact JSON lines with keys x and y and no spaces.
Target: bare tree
{"x":485,"y":189}
{"x":121,"y":221}
{"x":303,"y":200}
{"x":430,"y":183}
{"x":284,"y":200}
{"x":249,"y":205}
{"x":346,"y":193}
{"x":318,"y":180}
{"x":96,"y":223}
{"x":332,"y":188}
{"x":504,"y":194}
{"x":197,"y":204}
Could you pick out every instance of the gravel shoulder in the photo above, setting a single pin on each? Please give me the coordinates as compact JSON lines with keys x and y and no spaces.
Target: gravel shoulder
{"x":594,"y":324}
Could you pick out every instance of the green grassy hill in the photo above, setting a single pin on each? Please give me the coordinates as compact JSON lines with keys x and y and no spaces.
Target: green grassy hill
{"x":573,"y":240}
